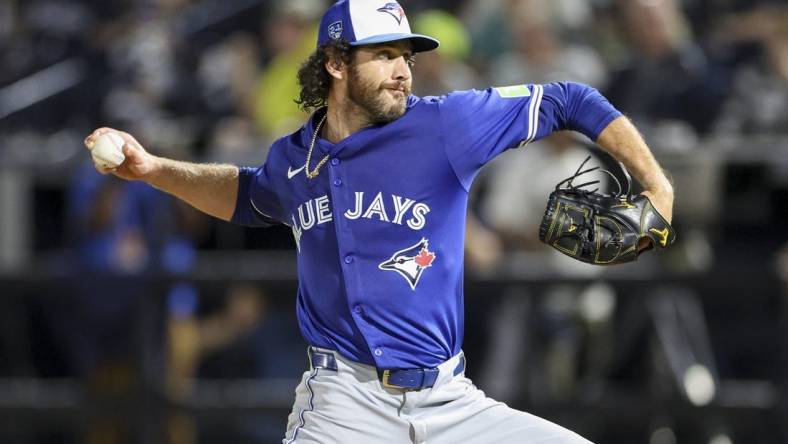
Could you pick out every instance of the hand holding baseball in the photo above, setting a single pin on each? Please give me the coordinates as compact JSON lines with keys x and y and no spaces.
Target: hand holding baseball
{"x":135,"y":162}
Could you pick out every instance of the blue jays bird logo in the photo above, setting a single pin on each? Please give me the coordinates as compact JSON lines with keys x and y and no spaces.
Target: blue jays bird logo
{"x":395,"y":10}
{"x":411,"y":262}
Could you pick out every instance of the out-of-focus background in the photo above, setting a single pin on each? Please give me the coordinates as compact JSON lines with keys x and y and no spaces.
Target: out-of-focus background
{"x":127,"y":317}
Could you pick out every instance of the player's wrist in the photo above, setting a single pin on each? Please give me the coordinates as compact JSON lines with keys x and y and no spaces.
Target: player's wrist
{"x":662,"y":201}
{"x":660,"y":188}
{"x":156,"y":172}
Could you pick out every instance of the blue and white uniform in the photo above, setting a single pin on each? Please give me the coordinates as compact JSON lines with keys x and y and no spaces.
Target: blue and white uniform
{"x":397,"y":194}
{"x":380,"y":230}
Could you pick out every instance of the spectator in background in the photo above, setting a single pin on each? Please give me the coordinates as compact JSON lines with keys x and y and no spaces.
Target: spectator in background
{"x":241,"y":336}
{"x":119,"y":229}
{"x":238,"y":328}
{"x":128,"y":229}
{"x":496,"y":31}
{"x":758,"y":102}
{"x":295,"y":28}
{"x":440,"y":72}
{"x":228,"y":72}
{"x":538,"y":52}
{"x":666,"y":84}
{"x":256,"y":94}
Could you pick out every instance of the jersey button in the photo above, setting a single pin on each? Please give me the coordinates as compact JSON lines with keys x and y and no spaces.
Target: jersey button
{"x":335,"y":161}
{"x":348,"y":259}
{"x":378,"y":352}
{"x":358,"y":310}
{"x":337,"y":182}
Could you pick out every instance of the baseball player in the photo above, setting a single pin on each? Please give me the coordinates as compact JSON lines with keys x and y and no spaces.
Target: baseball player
{"x":375,"y":187}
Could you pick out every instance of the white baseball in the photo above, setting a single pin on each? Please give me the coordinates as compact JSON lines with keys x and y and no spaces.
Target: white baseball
{"x":108,"y":151}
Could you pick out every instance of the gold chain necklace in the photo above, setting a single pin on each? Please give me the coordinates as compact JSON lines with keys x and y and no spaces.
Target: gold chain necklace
{"x":313,"y":174}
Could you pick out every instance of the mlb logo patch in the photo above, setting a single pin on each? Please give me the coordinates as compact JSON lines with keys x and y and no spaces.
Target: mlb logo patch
{"x":335,"y":30}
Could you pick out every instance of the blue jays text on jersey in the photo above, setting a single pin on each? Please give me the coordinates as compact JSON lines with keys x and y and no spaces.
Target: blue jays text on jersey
{"x":380,"y":230}
{"x":317,"y":211}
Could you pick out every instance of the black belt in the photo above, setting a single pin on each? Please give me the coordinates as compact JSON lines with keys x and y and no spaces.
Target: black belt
{"x":406,"y":378}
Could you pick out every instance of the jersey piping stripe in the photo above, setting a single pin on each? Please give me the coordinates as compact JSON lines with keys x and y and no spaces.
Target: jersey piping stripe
{"x":260,"y":212}
{"x":311,"y":407}
{"x":533,"y":113}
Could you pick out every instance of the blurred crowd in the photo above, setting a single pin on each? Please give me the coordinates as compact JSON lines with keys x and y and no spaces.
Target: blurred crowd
{"x":213,"y":80}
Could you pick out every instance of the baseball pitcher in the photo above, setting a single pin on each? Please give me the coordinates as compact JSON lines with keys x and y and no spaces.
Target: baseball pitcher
{"x":374,"y":187}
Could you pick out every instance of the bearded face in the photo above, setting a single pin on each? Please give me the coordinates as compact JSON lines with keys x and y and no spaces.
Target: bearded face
{"x":382,"y":103}
{"x":379,"y":83}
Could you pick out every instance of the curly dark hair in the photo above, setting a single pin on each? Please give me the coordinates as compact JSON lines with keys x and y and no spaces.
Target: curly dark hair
{"x":313,"y":77}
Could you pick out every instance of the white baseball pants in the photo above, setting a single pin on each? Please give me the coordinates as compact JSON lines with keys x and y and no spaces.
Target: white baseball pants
{"x":351,"y":406}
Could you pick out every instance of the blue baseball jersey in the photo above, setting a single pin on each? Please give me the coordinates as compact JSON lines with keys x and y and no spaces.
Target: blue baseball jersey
{"x":380,"y":230}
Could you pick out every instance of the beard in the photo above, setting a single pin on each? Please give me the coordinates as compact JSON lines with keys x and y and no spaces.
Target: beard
{"x":372,"y":99}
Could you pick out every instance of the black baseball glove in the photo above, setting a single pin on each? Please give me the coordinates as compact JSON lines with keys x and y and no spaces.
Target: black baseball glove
{"x":602,"y":229}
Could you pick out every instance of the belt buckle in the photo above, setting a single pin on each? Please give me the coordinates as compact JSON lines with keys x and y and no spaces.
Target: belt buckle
{"x":385,"y":380}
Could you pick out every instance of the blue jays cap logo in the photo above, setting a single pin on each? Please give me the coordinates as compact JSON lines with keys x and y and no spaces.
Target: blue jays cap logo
{"x":335,"y":30}
{"x":411,"y":262}
{"x":395,"y":10}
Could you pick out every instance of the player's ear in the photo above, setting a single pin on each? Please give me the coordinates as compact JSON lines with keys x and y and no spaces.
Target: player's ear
{"x":335,"y":66}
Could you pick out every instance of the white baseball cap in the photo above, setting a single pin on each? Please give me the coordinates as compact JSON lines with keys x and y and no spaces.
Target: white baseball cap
{"x":366,"y":22}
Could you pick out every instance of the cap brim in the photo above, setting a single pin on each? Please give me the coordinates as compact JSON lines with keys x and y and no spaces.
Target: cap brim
{"x":421,"y":43}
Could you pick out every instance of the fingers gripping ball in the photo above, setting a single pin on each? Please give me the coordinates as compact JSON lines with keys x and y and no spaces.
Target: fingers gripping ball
{"x":601,"y":229}
{"x":107,"y":151}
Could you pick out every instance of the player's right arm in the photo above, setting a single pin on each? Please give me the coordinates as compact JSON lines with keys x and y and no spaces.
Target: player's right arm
{"x":212,"y":189}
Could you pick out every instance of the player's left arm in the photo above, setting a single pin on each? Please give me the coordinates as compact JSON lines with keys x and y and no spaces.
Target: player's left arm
{"x":581,"y":108}
{"x":623,"y":141}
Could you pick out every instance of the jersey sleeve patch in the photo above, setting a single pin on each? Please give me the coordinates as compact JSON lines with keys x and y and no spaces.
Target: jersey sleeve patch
{"x":510,"y":92}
